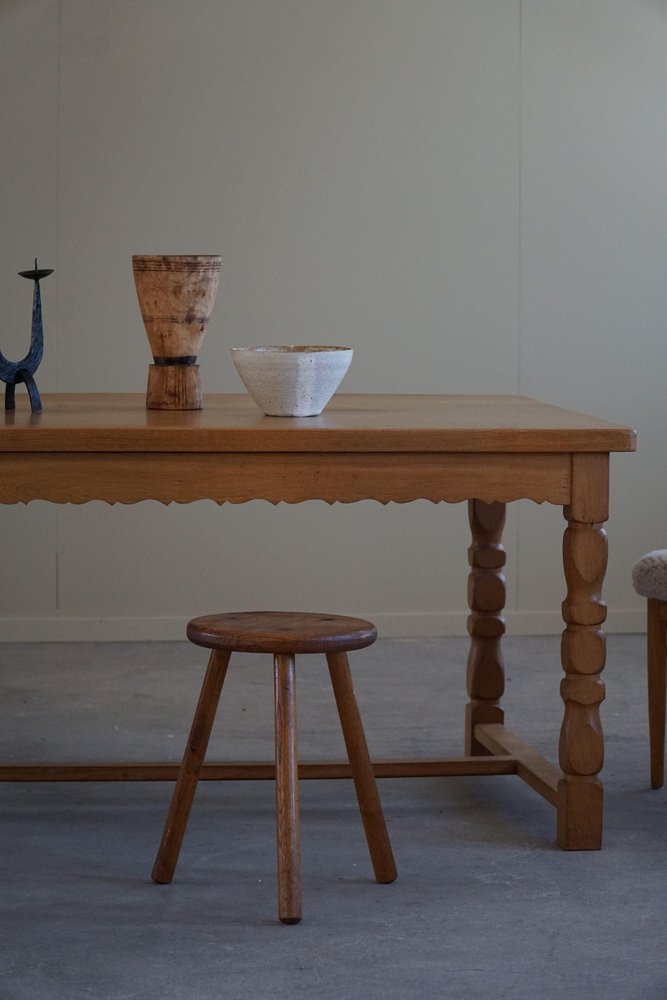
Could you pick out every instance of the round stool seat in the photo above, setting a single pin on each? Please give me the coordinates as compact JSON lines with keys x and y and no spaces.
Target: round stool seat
{"x":281,"y":632}
{"x":649,"y":575}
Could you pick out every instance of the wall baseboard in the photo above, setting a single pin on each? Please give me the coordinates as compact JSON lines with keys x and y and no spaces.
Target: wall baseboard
{"x":390,"y":625}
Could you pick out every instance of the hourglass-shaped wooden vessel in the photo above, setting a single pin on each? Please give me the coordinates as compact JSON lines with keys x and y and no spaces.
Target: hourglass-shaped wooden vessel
{"x":176,"y":293}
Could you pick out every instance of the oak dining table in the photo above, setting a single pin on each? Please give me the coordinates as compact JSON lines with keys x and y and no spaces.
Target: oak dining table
{"x":486,"y":450}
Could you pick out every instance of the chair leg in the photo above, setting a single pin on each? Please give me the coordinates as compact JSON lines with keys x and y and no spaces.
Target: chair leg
{"x":379,"y":845}
{"x":287,"y":791}
{"x":657,"y":686}
{"x":188,"y":776}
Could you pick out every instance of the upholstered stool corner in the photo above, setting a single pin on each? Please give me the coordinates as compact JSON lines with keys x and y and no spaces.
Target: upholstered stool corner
{"x":283,"y":634}
{"x":649,"y":578}
{"x":649,"y":575}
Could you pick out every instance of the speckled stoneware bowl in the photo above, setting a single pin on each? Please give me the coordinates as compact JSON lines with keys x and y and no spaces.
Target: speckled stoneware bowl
{"x":292,"y":381}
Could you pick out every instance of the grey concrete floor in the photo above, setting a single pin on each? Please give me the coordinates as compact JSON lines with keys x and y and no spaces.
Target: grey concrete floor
{"x":485,"y":904}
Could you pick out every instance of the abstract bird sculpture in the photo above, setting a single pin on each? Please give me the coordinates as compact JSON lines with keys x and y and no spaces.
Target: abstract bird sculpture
{"x":23,"y":371}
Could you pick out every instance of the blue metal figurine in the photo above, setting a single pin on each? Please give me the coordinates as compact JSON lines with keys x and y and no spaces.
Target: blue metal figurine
{"x":23,"y":371}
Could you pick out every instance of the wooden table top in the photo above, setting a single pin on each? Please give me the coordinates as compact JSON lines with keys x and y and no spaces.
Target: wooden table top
{"x":113,"y":422}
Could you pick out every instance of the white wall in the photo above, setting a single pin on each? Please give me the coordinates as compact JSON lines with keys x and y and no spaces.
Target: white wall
{"x":472,"y":193}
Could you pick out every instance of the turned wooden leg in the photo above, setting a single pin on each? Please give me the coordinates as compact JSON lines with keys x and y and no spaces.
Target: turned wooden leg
{"x":486,"y":625}
{"x":188,"y":776}
{"x":583,"y":651}
{"x":287,"y":791}
{"x":370,"y":807}
{"x":656,"y":634}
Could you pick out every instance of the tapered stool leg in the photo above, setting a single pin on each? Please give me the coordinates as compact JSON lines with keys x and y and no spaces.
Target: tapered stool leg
{"x":188,"y":776}
{"x":657,"y":687}
{"x":287,"y":791}
{"x":370,"y":807}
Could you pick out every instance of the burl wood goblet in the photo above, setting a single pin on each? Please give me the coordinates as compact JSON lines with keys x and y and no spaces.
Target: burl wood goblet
{"x":176,"y":293}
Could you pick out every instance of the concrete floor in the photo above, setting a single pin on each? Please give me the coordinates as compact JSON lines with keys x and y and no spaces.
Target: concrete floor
{"x":485,"y":904}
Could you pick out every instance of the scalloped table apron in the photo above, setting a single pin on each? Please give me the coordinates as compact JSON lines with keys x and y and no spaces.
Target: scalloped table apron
{"x":487,"y":450}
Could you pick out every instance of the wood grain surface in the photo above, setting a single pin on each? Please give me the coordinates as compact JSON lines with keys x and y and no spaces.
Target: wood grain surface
{"x":109,"y":422}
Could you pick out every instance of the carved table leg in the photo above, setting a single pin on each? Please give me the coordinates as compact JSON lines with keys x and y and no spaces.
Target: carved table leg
{"x":581,"y":748}
{"x":486,"y":625}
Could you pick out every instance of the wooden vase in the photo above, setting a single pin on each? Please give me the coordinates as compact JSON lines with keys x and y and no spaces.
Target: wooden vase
{"x":176,"y":293}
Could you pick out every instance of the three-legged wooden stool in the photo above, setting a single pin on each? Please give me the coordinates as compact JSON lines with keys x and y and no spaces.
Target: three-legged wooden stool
{"x":284,"y":635}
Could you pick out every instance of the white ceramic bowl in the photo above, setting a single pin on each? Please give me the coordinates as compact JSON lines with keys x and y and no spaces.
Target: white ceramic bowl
{"x":292,"y":381}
